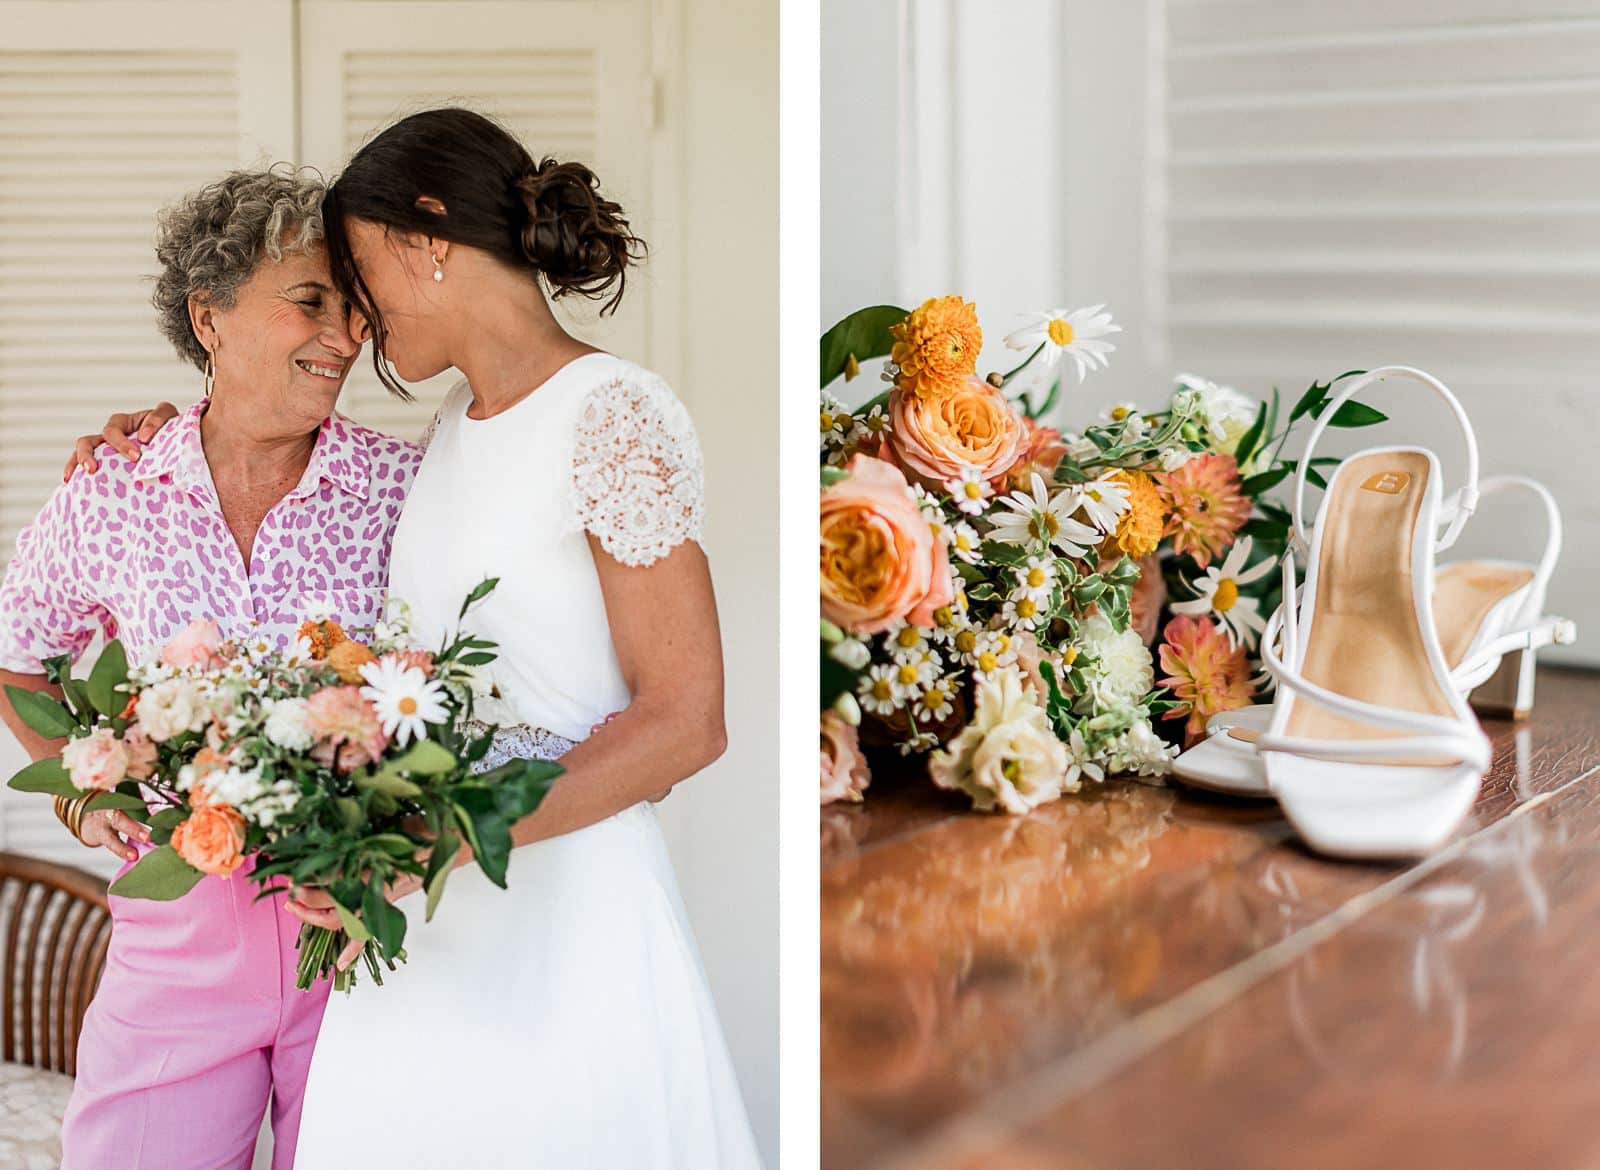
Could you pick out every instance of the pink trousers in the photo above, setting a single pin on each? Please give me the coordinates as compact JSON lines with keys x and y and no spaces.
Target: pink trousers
{"x":195,"y":1026}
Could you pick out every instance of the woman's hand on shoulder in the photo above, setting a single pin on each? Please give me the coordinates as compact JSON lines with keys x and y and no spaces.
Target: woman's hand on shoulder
{"x":124,"y":433}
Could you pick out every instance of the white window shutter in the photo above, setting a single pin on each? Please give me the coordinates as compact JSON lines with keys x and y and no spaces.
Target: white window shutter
{"x":585,"y":93}
{"x":107,"y":112}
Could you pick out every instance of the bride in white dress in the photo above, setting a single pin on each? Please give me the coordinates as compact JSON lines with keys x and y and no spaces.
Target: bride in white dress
{"x":565,"y":1022}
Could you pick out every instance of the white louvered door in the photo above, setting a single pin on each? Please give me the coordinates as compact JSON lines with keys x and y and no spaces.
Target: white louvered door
{"x":108,"y":111}
{"x":577,"y":85}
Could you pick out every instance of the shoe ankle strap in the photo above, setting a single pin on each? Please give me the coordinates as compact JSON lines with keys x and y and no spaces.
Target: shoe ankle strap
{"x":1458,"y":506}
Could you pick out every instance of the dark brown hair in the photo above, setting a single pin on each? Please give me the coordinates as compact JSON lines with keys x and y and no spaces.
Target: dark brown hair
{"x":547,"y":217}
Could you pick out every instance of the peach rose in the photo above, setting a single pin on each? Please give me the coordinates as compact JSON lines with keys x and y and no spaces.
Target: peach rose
{"x":1030,"y":656}
{"x":347,"y":658}
{"x":212,"y":839}
{"x":880,"y":559}
{"x":844,"y":768}
{"x":1042,"y":450}
{"x":346,"y":727}
{"x":141,"y":753}
{"x":98,"y":760}
{"x":194,"y":645}
{"x":972,"y":425}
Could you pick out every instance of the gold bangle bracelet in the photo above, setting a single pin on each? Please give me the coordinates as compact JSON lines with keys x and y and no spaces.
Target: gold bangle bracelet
{"x":61,"y":812}
{"x":76,"y":813}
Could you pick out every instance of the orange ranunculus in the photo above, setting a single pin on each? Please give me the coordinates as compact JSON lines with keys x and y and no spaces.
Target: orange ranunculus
{"x":212,"y":839}
{"x":936,"y":346}
{"x":880,"y":559}
{"x":347,"y":658}
{"x":323,"y":637}
{"x":972,"y":425}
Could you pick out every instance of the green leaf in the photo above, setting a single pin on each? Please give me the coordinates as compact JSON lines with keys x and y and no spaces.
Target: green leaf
{"x":833,"y":475}
{"x":425,"y":758}
{"x":383,"y":918}
{"x":440,"y":863}
{"x":76,"y":693}
{"x":1314,"y":396}
{"x":56,"y":669}
{"x":863,"y":335}
{"x":476,"y":658}
{"x":110,"y":672}
{"x":1355,"y":414}
{"x":1047,"y":405}
{"x":116,"y":800}
{"x":482,"y":590}
{"x":1266,"y":480}
{"x":41,"y":713}
{"x":159,"y":876}
{"x":487,"y":831}
{"x":388,"y":782}
{"x":164,"y":822}
{"x":353,"y":926}
{"x":48,"y":776}
{"x":1251,"y":438}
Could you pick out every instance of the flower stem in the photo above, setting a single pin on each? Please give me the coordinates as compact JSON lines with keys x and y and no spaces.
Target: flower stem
{"x":1026,"y":362}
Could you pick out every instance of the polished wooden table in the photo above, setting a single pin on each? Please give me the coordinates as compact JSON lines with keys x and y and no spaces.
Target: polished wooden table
{"x":1155,"y":977}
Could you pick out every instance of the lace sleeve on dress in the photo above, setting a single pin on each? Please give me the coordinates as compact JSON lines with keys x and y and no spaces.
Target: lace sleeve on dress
{"x":637,"y":476}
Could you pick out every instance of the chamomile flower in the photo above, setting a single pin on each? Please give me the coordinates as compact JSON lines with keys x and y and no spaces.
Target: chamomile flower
{"x":1039,"y":519}
{"x":919,"y":741}
{"x":965,"y":543}
{"x":1024,"y":610}
{"x":936,"y":702}
{"x":993,"y":650}
{"x":904,"y":636}
{"x":1080,"y":762}
{"x":1078,"y":333}
{"x":1239,"y":617}
{"x":406,"y":699}
{"x":969,"y":491}
{"x":1105,"y":498}
{"x":1037,"y":577}
{"x":878,"y":692}
{"x":948,"y":621}
{"x":914,"y":671}
{"x":872,"y":424}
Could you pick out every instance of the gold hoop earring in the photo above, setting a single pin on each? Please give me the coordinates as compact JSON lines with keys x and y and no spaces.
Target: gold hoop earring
{"x":211,"y":373}
{"x":438,"y":269}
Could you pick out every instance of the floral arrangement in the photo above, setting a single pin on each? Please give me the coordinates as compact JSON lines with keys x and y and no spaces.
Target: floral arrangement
{"x":339,"y":763}
{"x":1000,"y":595}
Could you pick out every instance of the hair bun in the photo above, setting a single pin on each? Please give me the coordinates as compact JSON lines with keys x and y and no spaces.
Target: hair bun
{"x":576,"y":237}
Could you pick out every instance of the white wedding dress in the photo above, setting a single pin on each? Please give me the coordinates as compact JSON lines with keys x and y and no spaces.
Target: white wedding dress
{"x":564,"y":1023}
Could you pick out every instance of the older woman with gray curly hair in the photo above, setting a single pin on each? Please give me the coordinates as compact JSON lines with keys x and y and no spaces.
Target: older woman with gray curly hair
{"x":255,"y":506}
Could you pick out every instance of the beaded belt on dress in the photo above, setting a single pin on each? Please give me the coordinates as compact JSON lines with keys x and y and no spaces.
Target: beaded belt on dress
{"x":519,"y":741}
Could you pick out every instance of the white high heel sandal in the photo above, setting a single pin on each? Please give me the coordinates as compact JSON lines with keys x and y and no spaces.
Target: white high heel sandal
{"x":1491,"y":621}
{"x":1372,"y":752}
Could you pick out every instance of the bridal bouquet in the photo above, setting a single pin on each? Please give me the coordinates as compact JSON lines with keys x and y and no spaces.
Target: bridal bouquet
{"x":339,"y":763}
{"x":1000,"y":594}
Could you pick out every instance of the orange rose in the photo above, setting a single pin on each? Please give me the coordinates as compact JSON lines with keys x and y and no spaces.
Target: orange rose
{"x":348,"y":657}
{"x":212,"y":839}
{"x":939,"y":437}
{"x":880,"y":559}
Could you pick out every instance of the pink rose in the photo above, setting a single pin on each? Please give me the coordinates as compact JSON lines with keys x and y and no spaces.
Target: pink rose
{"x":880,"y":559}
{"x":98,"y":760}
{"x":971,"y":426}
{"x":194,"y":645}
{"x":346,"y":728}
{"x":844,"y":768}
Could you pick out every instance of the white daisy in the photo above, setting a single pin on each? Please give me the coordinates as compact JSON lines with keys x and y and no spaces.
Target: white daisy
{"x":1037,"y":577}
{"x":878,"y":692}
{"x":993,"y":651}
{"x":914,"y":671}
{"x":1105,"y":499}
{"x":1078,"y":333}
{"x":1239,"y":617}
{"x":873,"y":423}
{"x":969,"y":491}
{"x":406,"y":699}
{"x":904,"y":636}
{"x":1040,"y":519}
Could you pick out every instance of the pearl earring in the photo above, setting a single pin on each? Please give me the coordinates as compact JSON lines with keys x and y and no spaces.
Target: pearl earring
{"x":438,"y":269}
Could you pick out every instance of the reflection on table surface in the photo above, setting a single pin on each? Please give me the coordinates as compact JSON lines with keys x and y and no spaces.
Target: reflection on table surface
{"x":1154,"y":977}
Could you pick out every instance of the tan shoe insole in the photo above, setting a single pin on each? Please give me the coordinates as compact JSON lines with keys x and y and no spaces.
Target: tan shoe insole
{"x":1365,"y":641}
{"x":1463,"y":595}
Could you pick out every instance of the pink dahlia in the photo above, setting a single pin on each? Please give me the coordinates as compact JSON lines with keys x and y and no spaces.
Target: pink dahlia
{"x":346,"y":728}
{"x":1205,"y":671}
{"x":1205,"y":507}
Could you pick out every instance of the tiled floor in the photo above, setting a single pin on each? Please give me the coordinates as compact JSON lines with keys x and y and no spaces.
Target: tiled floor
{"x":1159,"y":978}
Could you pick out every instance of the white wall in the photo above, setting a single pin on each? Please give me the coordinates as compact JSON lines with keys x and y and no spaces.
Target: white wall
{"x":1036,"y":171}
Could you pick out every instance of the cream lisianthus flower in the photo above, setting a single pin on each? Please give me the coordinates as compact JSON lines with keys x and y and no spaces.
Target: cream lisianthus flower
{"x":1078,"y":333}
{"x":170,"y":708}
{"x":1007,"y":757}
{"x":1122,"y":671}
{"x":1240,"y":617}
{"x":1225,"y":414}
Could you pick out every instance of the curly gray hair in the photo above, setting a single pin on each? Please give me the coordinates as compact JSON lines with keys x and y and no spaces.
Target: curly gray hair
{"x":211,"y":241}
